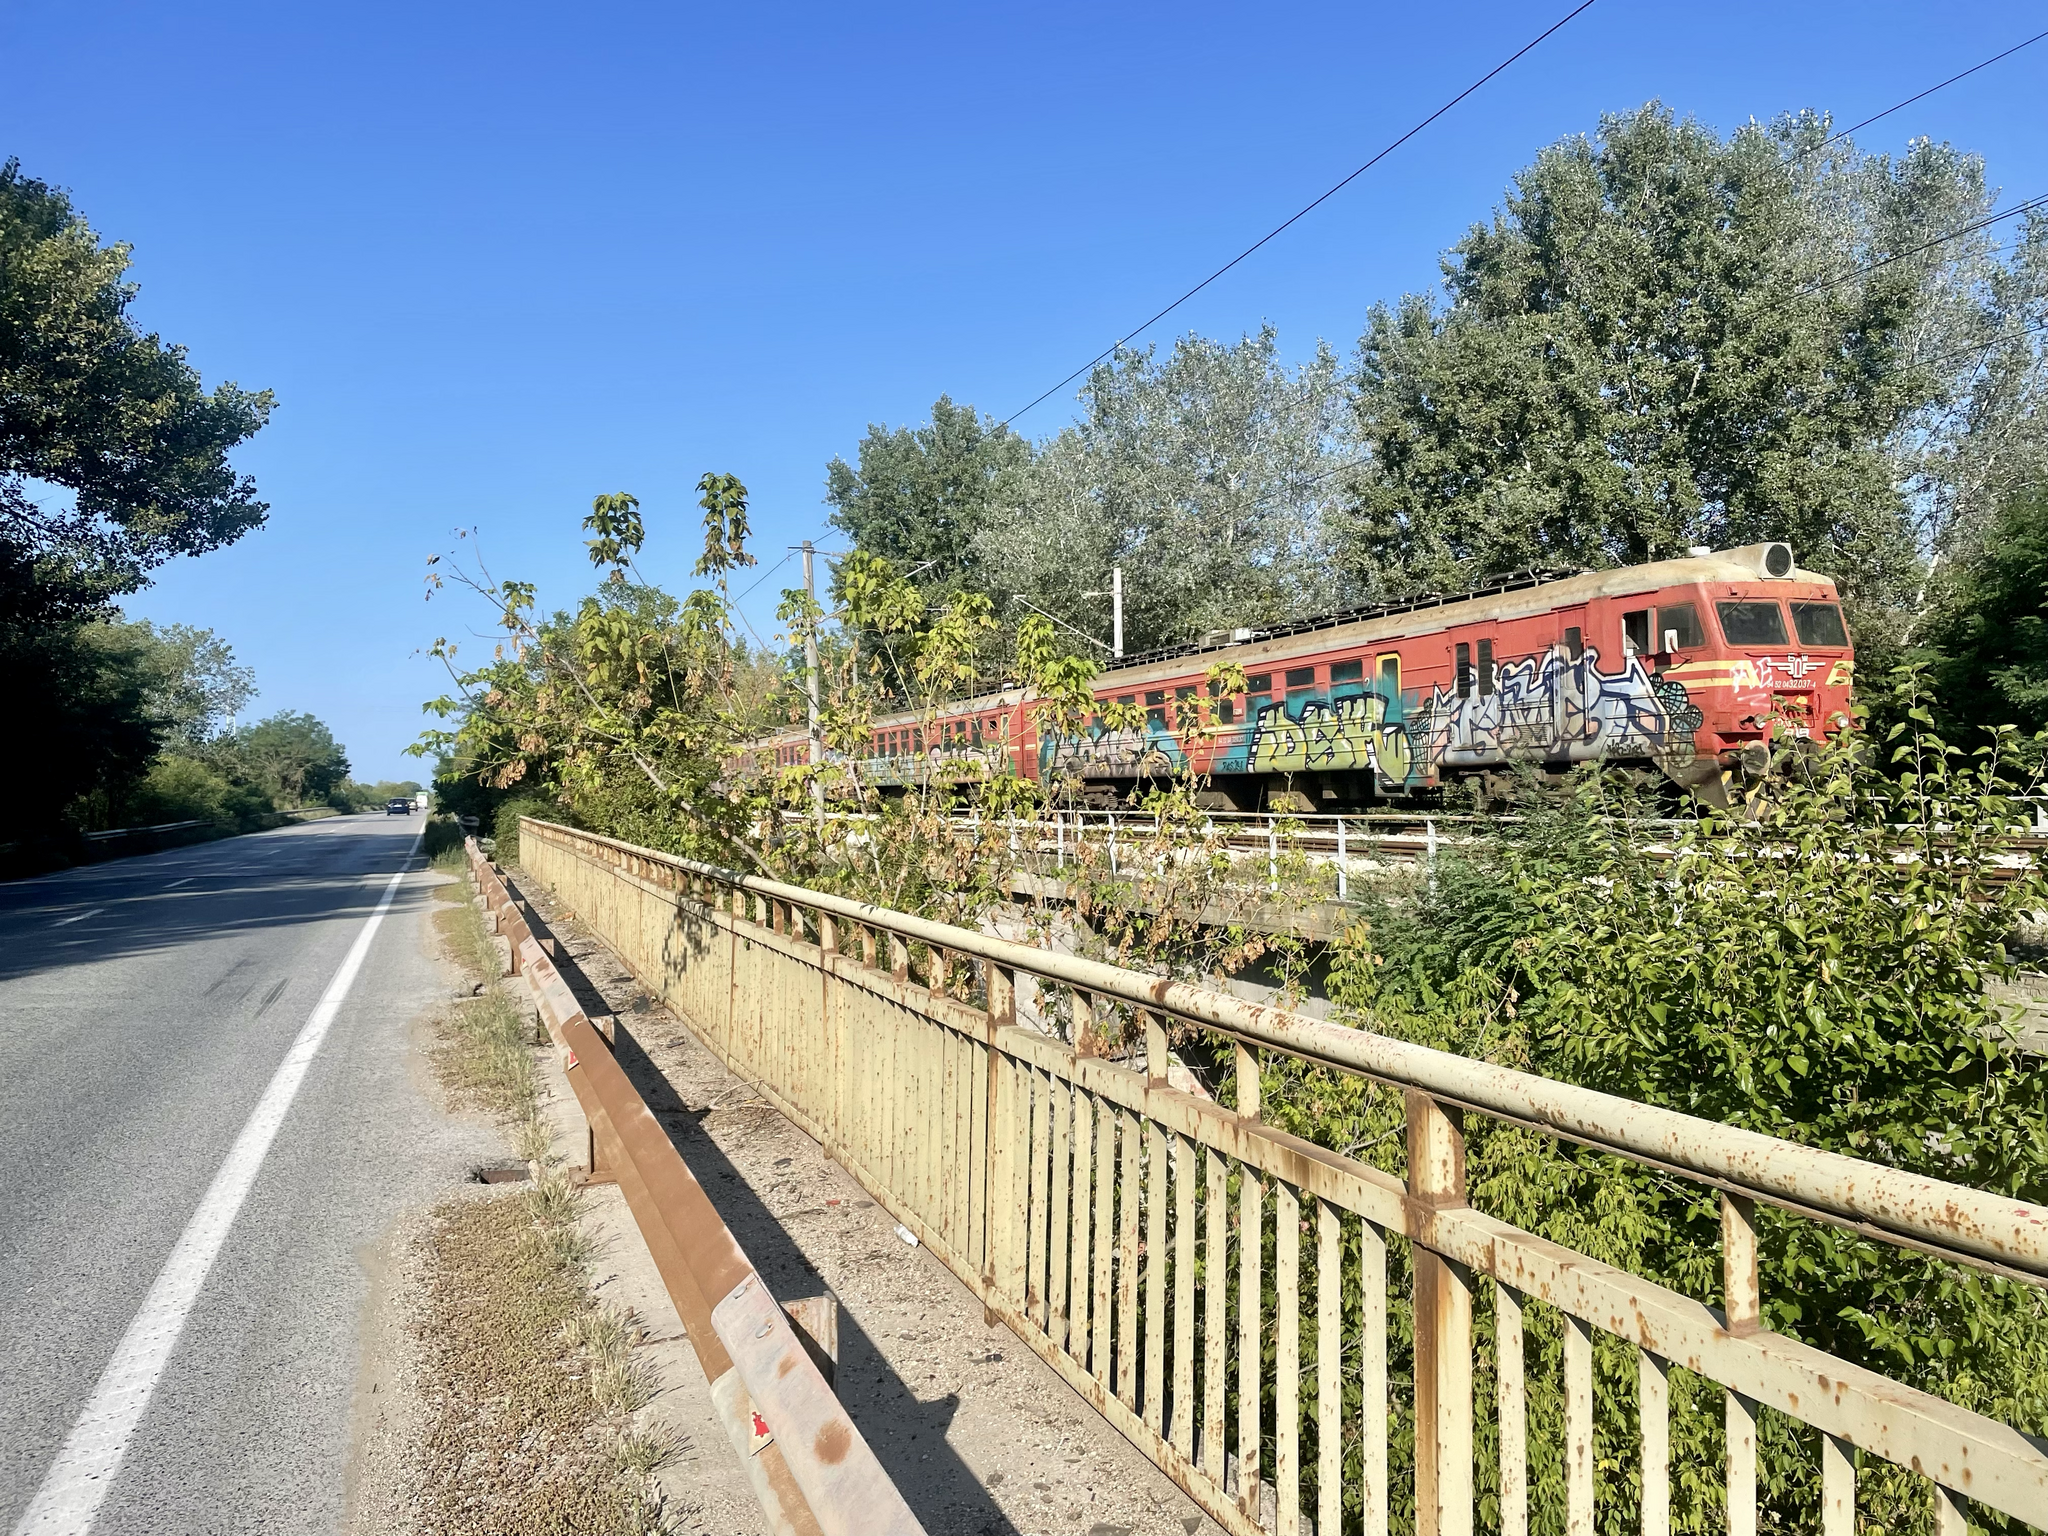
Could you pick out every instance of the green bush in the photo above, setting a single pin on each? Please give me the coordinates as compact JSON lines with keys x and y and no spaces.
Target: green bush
{"x":504,"y":826}
{"x":180,"y":789}
{"x":1818,"y":974}
{"x":442,"y":834}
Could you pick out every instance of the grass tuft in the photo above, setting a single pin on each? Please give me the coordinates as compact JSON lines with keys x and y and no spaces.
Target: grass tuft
{"x":620,"y":1384}
{"x":531,"y":1383}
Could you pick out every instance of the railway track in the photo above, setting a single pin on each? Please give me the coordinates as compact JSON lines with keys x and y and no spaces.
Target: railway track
{"x":1357,"y":842}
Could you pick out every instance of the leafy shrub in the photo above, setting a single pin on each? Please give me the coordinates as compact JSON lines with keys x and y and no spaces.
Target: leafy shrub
{"x":442,"y":833}
{"x":504,"y":825}
{"x":1818,"y":974}
{"x":179,"y":789}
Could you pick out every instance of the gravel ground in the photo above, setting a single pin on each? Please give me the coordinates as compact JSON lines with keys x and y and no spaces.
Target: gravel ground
{"x":475,"y":1413}
{"x":980,"y":1435}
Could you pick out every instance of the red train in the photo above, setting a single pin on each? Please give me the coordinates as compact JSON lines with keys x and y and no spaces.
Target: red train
{"x":1685,"y":666}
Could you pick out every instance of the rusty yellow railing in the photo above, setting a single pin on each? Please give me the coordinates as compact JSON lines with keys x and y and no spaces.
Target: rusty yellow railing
{"x":1090,"y":1205}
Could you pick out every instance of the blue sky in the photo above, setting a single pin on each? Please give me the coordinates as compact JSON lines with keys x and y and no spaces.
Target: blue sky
{"x":497,"y":259}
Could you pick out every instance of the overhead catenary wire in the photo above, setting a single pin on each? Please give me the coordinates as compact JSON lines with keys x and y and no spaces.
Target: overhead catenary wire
{"x":1832,"y":139}
{"x":1971,"y":228}
{"x":1985,"y":344}
{"x":1923,"y":95}
{"x":1304,"y":211}
{"x":755,"y":585}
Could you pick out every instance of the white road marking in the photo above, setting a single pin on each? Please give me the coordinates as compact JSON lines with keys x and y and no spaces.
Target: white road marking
{"x":77,"y":917}
{"x":176,"y":883}
{"x":90,"y":1458}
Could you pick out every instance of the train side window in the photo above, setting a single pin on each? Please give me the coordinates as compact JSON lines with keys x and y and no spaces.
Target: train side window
{"x":1301,"y":684}
{"x":1678,"y":627}
{"x":1635,"y":630}
{"x":1347,"y":679}
{"x":1759,"y":623}
{"x":1155,"y":709}
{"x":1464,"y":670}
{"x":1485,"y":668}
{"x":1390,"y":677}
{"x":1574,"y":642}
{"x":1226,"y":708}
{"x":1819,"y":624}
{"x":1185,"y":715}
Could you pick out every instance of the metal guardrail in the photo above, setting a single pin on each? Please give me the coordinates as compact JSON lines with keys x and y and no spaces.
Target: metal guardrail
{"x":166,"y":826}
{"x":809,"y":1466}
{"x":1073,"y":1193}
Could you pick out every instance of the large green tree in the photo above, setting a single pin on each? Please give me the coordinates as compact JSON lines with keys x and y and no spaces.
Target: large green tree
{"x":1205,"y":474}
{"x":293,"y":756}
{"x":113,"y":458}
{"x":919,"y":495}
{"x":1989,"y":626}
{"x":192,"y":684}
{"x":100,"y":700}
{"x":1665,"y":338}
{"x":79,"y":704}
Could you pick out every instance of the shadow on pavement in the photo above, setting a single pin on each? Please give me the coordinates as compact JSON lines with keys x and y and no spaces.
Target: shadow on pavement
{"x":161,"y":901}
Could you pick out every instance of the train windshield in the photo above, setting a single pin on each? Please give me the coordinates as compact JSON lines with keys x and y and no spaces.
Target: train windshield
{"x":1752,"y":623}
{"x":1819,"y":624}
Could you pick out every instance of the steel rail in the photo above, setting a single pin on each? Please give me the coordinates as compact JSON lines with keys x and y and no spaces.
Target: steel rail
{"x":1950,"y":1220}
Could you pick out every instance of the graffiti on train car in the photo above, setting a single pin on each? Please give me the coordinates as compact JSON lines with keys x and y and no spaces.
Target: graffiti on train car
{"x":1547,"y":707}
{"x":1332,"y":736}
{"x":1543,"y":707}
{"x":1149,"y":749}
{"x":940,"y":763}
{"x":1556,"y":707}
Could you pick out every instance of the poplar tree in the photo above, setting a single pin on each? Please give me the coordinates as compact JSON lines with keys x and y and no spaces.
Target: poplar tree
{"x":1664,"y":338}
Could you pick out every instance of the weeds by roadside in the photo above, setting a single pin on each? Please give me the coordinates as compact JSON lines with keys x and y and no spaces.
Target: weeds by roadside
{"x":529,"y":1384}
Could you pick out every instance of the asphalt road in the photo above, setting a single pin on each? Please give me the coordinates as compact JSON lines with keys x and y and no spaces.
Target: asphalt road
{"x":145,"y":1007}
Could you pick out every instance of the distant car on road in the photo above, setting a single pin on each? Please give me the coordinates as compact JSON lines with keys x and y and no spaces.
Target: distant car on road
{"x":397,"y":807}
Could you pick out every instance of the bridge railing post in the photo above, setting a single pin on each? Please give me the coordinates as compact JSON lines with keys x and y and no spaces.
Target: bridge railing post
{"x":1443,"y":1328}
{"x":1742,"y":1305}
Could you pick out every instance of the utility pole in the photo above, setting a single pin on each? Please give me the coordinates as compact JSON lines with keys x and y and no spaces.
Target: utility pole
{"x":1116,"y":611}
{"x":811,"y":677}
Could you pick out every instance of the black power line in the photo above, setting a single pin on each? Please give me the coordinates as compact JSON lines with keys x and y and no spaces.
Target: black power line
{"x":1305,"y":211}
{"x":1926,"y":245}
{"x":1836,"y":137}
{"x":1923,"y":95}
